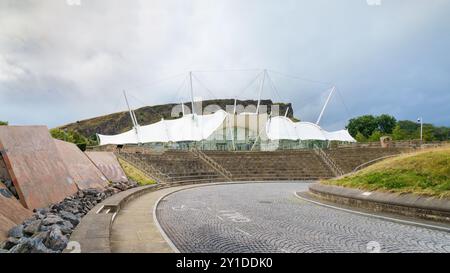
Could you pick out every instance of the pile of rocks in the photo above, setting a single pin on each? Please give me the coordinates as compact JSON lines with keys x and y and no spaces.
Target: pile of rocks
{"x":49,"y":229}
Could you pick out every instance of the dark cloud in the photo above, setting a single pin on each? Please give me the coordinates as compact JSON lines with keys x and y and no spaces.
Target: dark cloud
{"x":61,"y":63}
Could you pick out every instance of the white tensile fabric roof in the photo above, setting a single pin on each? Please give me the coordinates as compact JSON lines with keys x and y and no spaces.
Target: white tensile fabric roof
{"x":279,"y":128}
{"x":194,"y":127}
{"x":190,"y":127}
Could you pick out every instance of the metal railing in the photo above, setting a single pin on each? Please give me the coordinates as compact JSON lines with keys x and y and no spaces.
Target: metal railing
{"x":337,"y":171}
{"x":147,"y":169}
{"x":212,"y":163}
{"x":372,"y":162}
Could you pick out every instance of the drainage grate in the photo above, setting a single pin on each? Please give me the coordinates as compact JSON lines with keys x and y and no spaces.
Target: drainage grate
{"x":265,"y":202}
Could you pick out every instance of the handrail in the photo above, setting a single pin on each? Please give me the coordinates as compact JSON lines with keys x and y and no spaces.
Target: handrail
{"x":154,"y":174}
{"x":328,"y":161}
{"x":372,"y":161}
{"x":213,"y":164}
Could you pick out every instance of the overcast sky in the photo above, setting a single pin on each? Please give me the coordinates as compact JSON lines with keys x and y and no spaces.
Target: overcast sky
{"x":61,"y":62}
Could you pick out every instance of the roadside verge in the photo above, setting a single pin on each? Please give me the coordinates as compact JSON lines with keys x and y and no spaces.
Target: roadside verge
{"x":411,"y":205}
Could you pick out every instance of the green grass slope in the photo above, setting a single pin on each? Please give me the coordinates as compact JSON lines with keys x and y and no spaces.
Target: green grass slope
{"x":426,"y":173}
{"x":135,"y":174}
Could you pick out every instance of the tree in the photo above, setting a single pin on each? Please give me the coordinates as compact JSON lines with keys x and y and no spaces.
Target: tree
{"x":410,"y":127}
{"x":364,"y":124}
{"x":376,"y":135}
{"x":73,"y":137}
{"x":428,"y":132}
{"x":360,"y":137}
{"x":398,"y":133}
{"x":370,"y":128}
{"x":386,"y":123}
{"x":367,"y":124}
{"x":2,"y":123}
{"x":442,"y":133}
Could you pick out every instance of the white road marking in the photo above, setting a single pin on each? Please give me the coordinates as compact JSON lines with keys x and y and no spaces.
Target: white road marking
{"x":182,"y":207}
{"x":245,"y":232}
{"x":236,"y":216}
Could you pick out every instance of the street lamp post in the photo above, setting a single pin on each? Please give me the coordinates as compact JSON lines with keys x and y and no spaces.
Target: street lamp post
{"x":421,"y":128}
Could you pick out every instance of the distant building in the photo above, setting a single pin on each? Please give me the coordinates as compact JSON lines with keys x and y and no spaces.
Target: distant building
{"x":228,"y":131}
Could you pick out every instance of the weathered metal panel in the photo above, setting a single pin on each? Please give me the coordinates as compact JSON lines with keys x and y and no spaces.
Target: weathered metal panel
{"x":11,"y":211}
{"x":81,"y":169}
{"x":5,"y":226}
{"x":11,"y":208}
{"x":35,"y":166}
{"x":4,"y":175}
{"x":109,"y":165}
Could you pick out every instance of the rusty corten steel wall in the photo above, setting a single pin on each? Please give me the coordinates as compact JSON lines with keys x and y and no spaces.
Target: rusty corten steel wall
{"x":109,"y":165}
{"x":4,"y":175}
{"x":12,"y":212}
{"x":11,"y":208}
{"x":5,"y":226}
{"x":81,"y":169}
{"x":35,"y":166}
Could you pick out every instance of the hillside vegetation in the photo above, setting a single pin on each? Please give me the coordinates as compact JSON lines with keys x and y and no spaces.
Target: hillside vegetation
{"x":120,"y":122}
{"x":368,"y":128}
{"x":135,"y":174}
{"x":426,"y":172}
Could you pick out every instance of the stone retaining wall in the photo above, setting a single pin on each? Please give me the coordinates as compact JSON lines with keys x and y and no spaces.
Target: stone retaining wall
{"x":429,"y":208}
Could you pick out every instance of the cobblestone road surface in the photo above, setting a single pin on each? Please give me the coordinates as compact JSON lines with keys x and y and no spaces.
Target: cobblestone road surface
{"x":267,"y":217}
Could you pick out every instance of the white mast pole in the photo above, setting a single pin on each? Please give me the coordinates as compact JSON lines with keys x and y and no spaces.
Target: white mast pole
{"x":192,"y":92}
{"x":260,"y":90}
{"x":133,"y":117}
{"x":287,"y":111}
{"x":325,"y":105}
{"x":182,"y":108}
{"x":129,"y":109}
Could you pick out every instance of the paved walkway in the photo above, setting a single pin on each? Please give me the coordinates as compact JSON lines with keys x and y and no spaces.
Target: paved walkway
{"x":259,"y":217}
{"x":269,"y":218}
{"x":134,"y":230}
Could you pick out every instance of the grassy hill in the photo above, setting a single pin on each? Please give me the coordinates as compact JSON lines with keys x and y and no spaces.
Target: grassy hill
{"x":426,"y":172}
{"x":120,"y":122}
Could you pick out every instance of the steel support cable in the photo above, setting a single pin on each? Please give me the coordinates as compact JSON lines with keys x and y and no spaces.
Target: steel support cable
{"x":226,"y":70}
{"x":343,"y":102}
{"x":145,"y":105}
{"x":250,"y":83}
{"x":155,"y":82}
{"x":204,"y":86}
{"x":274,"y":88}
{"x":299,"y":78}
{"x":177,"y":92}
{"x":310,"y":98}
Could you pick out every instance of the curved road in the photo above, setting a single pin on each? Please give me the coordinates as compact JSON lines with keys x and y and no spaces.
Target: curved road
{"x":267,"y":217}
